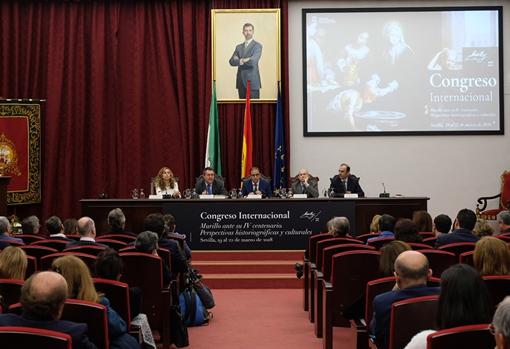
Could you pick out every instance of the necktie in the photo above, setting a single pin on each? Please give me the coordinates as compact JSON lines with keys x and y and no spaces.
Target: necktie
{"x":209,"y":189}
{"x":255,"y":187}
{"x":302,"y":188}
{"x":345,"y":184}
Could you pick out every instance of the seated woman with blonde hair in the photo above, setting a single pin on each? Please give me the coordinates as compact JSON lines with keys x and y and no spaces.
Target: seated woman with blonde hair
{"x":13,"y":263}
{"x":491,"y":256}
{"x":166,"y":184}
{"x":80,"y":286}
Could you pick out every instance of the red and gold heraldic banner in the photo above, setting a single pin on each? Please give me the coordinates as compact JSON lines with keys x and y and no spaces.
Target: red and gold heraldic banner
{"x":20,"y":151}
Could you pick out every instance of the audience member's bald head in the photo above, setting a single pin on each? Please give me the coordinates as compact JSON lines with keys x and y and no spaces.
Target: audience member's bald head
{"x":86,"y":227}
{"x":43,"y":294}
{"x":412,"y":267}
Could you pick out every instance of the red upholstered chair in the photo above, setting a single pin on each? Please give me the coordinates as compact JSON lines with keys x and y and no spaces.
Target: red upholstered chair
{"x":405,"y":323}
{"x":157,"y":298}
{"x":439,"y":261}
{"x":350,"y":274}
{"x":115,"y":244}
{"x":364,"y":237}
{"x":38,"y":252}
{"x":10,"y":290}
{"x":31,"y":266}
{"x":380,"y":242}
{"x":504,"y":237}
{"x":430,"y":241}
{"x":325,"y":260}
{"x":118,"y":294}
{"x":165,"y":255}
{"x":28,"y":337}
{"x":93,"y":250}
{"x":308,"y":259}
{"x":503,"y":197}
{"x":120,"y":237}
{"x":427,"y":234}
{"x":89,"y":259}
{"x":467,"y":258}
{"x":471,"y":336}
{"x":418,"y":246}
{"x":92,"y":314}
{"x":29,"y":238}
{"x":499,"y":287}
{"x":59,"y":245}
{"x":458,"y":247}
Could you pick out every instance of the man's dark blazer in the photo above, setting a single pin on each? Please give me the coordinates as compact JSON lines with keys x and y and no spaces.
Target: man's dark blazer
{"x":77,"y":331}
{"x":84,"y":243}
{"x":458,"y":235}
{"x":311,"y":190}
{"x":264,"y":187}
{"x":380,"y":325}
{"x":218,"y":187}
{"x":352,"y":185}
{"x":179,"y":264}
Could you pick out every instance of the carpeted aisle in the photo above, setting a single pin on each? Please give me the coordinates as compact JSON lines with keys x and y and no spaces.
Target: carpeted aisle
{"x":262,"y":318}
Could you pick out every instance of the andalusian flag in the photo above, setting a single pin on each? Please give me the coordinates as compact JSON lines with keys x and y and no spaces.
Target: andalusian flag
{"x":246,"y":159}
{"x":213,"y":149}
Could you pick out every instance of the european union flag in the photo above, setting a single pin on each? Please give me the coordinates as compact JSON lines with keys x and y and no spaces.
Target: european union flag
{"x":279,"y":145}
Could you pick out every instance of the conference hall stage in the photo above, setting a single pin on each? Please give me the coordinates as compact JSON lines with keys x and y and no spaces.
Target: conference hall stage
{"x":252,"y":224}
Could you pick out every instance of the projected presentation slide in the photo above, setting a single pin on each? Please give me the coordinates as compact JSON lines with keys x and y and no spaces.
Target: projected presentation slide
{"x":402,"y":71}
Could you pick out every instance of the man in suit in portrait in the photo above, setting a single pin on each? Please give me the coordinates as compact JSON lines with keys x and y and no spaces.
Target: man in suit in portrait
{"x":256,"y":185}
{"x":345,"y":183}
{"x":246,"y":58}
{"x":87,"y":230}
{"x":42,"y":297}
{"x":305,"y":184}
{"x":208,"y":183}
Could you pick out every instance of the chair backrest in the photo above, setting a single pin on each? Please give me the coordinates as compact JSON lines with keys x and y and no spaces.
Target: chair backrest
{"x":31,"y":266}
{"x":92,"y":314}
{"x":365,"y":237}
{"x":115,"y":244}
{"x":29,"y":238}
{"x":471,"y":336}
{"x":312,"y":243}
{"x":467,"y":258}
{"x":430,"y":241}
{"x":458,"y":247}
{"x":504,"y":237}
{"x":321,"y":245}
{"x":118,"y":294}
{"x":330,"y":251}
{"x":120,"y":237}
{"x":93,"y":250}
{"x":53,"y":243}
{"x":29,"y":337}
{"x":89,"y":259}
{"x":405,"y":323}
{"x":499,"y":287}
{"x":427,"y":234}
{"x":418,"y":246}
{"x":439,"y":260}
{"x":380,"y":242}
{"x":166,"y":255}
{"x":10,"y":290}
{"x":38,"y":252}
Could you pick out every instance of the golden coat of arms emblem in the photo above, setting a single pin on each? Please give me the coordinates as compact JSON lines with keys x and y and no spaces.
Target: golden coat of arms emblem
{"x":8,"y":157}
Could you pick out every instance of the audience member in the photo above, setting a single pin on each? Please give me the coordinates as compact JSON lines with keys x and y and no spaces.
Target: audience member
{"x":147,"y":242}
{"x":171,"y":233}
{"x":411,"y":273}
{"x":30,"y":225}
{"x":464,"y":300}
{"x":55,"y":229}
{"x":422,"y":220}
{"x":387,"y":226}
{"x":87,"y":230}
{"x":42,"y":297}
{"x":80,"y":286}
{"x":71,"y":226}
{"x":117,"y":222}
{"x":407,"y":231}
{"x":482,"y":228}
{"x":491,"y":256}
{"x":374,"y":225}
{"x":463,"y":229}
{"x":501,"y":324}
{"x":340,"y":227}
{"x":5,"y":231}
{"x":442,"y":225}
{"x":13,"y":263}
{"x":504,"y":222}
{"x":389,"y":254}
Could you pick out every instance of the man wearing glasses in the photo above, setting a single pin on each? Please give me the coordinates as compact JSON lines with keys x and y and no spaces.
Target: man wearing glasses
{"x":256,"y":185}
{"x":345,"y":183}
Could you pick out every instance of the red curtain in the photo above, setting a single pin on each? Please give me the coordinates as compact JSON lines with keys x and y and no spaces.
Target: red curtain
{"x":128,"y":87}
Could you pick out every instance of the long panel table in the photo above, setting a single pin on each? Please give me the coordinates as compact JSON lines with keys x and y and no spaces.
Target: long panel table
{"x":252,"y":224}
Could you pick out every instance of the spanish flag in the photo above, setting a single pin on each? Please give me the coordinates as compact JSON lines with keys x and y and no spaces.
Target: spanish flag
{"x":246,"y":157}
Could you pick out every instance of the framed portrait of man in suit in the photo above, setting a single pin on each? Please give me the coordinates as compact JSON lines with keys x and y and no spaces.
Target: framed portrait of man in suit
{"x":246,"y":47}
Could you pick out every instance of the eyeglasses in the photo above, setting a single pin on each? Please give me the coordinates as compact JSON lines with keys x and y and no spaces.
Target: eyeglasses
{"x":255,"y":174}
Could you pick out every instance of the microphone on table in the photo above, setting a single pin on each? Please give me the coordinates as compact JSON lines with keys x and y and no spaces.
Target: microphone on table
{"x":384,"y":194}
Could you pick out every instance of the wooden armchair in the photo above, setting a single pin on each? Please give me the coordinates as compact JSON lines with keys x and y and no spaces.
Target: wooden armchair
{"x":503,"y":196}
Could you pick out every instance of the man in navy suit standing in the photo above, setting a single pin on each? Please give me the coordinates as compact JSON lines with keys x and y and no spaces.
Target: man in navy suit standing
{"x":246,"y":58}
{"x":255,"y":185}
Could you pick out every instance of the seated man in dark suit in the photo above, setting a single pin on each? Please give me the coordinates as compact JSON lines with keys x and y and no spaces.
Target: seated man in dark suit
{"x":386,"y":227}
{"x":345,"y":183}
{"x":117,"y":222}
{"x":87,"y":230}
{"x":209,"y":184}
{"x":256,"y":185}
{"x":462,"y":229}
{"x":305,"y":184}
{"x":55,"y":228}
{"x":411,"y":272}
{"x":5,"y":231}
{"x":42,"y":297}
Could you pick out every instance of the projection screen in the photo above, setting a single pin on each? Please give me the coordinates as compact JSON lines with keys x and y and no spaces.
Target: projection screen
{"x":402,"y":71}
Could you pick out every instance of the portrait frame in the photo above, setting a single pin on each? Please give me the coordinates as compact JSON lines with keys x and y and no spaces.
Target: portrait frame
{"x":227,"y":33}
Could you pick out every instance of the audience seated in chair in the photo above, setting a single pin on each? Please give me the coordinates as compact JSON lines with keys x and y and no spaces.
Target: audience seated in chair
{"x":504,"y":222}
{"x":442,"y":225}
{"x":117,"y":222}
{"x":87,"y":229}
{"x":374,"y":225}
{"x":423,"y":220}
{"x":42,"y":298}
{"x":464,"y":300}
{"x":305,"y":183}
{"x":55,"y":229}
{"x":71,"y":226}
{"x":147,"y":242}
{"x":482,"y":228}
{"x":501,"y":324}
{"x":411,"y":272}
{"x":339,"y":227}
{"x":389,"y":254}
{"x":256,"y":183}
{"x":387,"y":227}
{"x":13,"y":263}
{"x":30,"y":225}
{"x":81,"y":287}
{"x":210,"y":183}
{"x":491,"y":256}
{"x":407,"y":231}
{"x":172,"y":234}
{"x":5,"y":232}
{"x":463,"y":229}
